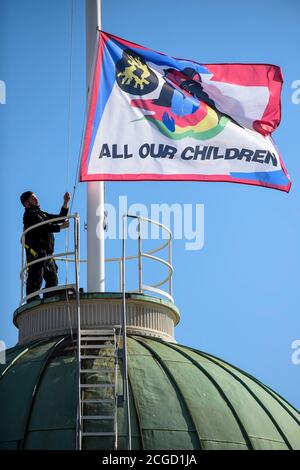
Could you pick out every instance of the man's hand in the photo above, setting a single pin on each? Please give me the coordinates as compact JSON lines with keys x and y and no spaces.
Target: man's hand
{"x":65,"y":224}
{"x":66,"y":200}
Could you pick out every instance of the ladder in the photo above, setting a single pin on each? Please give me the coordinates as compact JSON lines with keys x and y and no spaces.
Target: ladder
{"x":98,"y":388}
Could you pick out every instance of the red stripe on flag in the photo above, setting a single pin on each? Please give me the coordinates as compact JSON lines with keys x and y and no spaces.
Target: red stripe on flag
{"x":186,"y":177}
{"x":266,"y":75}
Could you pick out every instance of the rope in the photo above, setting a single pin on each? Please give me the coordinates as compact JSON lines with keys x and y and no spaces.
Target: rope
{"x":69,"y":133}
{"x":81,"y":142}
{"x":67,"y":239}
{"x":69,"y":154}
{"x":80,"y":150}
{"x":69,"y":151}
{"x":78,"y":161}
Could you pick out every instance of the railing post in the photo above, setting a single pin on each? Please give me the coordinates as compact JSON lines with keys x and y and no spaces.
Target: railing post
{"x":124,"y":334}
{"x":140,"y":256}
{"x":76,"y":243}
{"x":22,"y":272}
{"x":170,"y":262}
{"x":120,"y":274}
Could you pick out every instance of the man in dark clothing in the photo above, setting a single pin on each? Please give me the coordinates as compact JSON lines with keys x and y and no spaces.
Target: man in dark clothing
{"x":39,"y":242}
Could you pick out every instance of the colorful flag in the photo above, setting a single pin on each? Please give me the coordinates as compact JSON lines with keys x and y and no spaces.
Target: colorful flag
{"x":155,"y":117}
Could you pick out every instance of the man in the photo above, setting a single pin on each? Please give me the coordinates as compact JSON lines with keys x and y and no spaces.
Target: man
{"x":39,"y":242}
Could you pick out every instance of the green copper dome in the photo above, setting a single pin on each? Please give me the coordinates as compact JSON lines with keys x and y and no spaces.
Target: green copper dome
{"x":180,"y":398}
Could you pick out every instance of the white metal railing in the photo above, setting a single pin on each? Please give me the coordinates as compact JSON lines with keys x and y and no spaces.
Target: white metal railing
{"x":142,"y":288}
{"x":70,"y":256}
{"x":154,"y":288}
{"x":74,"y":253}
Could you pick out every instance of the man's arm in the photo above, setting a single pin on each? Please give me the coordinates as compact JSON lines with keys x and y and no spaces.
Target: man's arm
{"x":63,"y":211}
{"x":33,"y":218}
{"x":65,"y":208}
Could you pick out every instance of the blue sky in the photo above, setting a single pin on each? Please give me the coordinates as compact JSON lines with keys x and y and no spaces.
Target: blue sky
{"x":239,"y":296}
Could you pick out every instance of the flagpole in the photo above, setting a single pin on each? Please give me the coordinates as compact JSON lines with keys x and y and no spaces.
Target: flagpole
{"x":95,"y":190}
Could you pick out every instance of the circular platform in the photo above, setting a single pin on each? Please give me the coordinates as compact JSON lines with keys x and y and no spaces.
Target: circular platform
{"x":57,"y":315}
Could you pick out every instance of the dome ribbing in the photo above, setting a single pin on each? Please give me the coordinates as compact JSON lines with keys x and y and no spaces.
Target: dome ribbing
{"x":180,"y":398}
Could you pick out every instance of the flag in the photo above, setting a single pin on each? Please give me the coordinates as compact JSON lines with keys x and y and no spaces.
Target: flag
{"x":156,"y":117}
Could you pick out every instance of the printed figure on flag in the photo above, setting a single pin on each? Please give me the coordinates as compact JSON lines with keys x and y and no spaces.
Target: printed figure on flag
{"x":154,"y":117}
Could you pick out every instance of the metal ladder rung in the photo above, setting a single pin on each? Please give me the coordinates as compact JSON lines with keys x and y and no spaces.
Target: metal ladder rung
{"x":97,"y":346}
{"x":99,"y":400}
{"x":97,"y":385}
{"x":98,"y":417}
{"x":90,"y":434}
{"x":106,"y":371}
{"x":97,"y":338}
{"x":96,"y":357}
{"x":97,"y":332}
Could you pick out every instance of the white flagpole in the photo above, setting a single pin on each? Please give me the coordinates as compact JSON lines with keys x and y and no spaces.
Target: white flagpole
{"x":95,"y":190}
